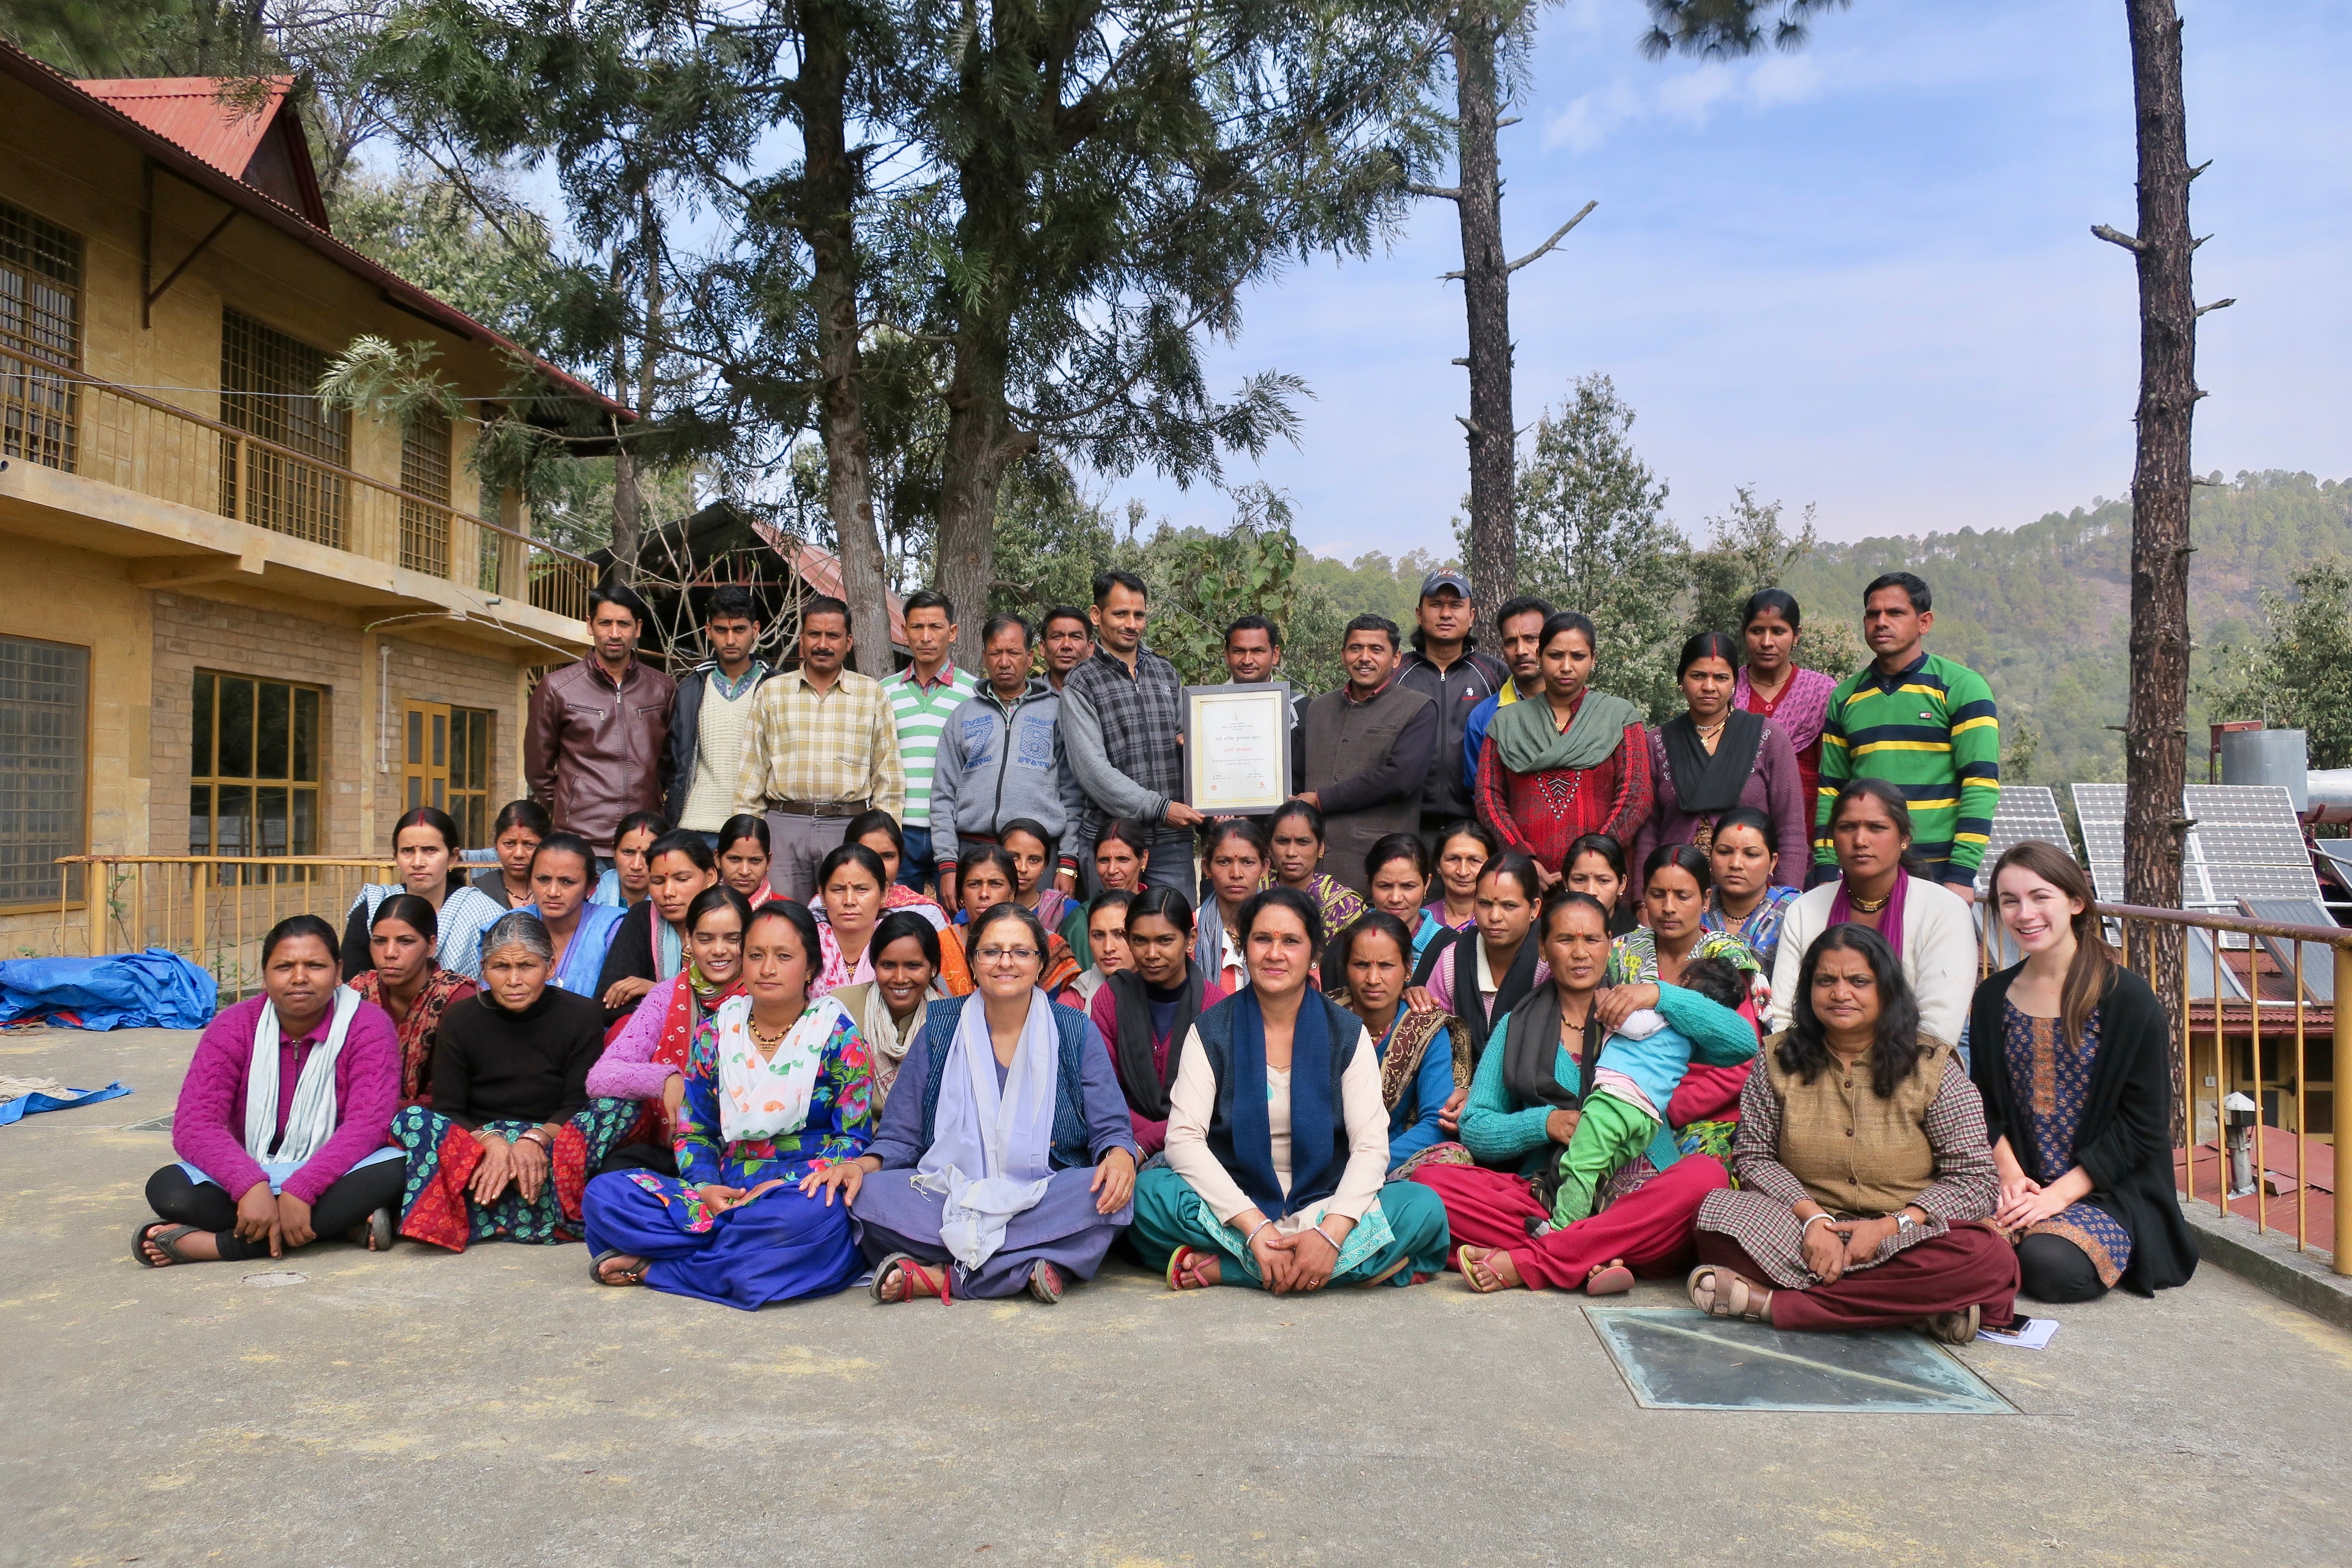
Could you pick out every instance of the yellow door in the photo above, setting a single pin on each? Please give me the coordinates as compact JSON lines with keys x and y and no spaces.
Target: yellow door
{"x":425,"y":756}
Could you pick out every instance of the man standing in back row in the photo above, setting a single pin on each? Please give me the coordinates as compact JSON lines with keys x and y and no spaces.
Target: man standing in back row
{"x":1924,"y":724}
{"x":1122,"y":712}
{"x":596,"y":744}
{"x":821,"y":749}
{"x":1447,"y":666}
{"x":922,"y":696}
{"x":1367,"y":751}
{"x":712,"y":710}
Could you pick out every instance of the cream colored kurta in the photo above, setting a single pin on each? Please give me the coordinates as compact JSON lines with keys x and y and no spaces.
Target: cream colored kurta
{"x":1939,"y":954}
{"x":1192,"y":1101}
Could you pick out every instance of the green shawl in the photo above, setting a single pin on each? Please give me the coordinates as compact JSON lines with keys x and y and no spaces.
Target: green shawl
{"x":1526,"y":742}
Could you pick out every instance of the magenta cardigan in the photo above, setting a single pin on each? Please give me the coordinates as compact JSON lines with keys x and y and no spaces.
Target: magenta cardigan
{"x":627,"y":1070}
{"x":208,"y":1127}
{"x":1774,"y":787}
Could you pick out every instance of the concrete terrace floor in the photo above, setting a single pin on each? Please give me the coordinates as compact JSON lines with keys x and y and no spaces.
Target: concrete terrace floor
{"x":496,"y":1408}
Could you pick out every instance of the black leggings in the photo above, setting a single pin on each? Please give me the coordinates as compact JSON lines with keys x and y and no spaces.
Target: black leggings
{"x":208,"y":1207}
{"x":658,"y":1158}
{"x":2052,"y":1268}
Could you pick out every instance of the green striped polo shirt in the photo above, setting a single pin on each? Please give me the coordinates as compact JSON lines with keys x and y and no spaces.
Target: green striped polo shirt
{"x":1932,"y":731}
{"x":920,"y":712}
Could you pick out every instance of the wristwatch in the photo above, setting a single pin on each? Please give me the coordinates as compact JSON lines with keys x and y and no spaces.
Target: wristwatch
{"x":1903,"y":1223}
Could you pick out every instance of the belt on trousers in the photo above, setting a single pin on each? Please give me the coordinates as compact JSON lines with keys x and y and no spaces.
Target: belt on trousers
{"x":819,"y":809}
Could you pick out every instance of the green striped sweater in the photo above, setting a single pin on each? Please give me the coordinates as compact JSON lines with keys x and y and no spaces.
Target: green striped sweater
{"x":1933,"y":732}
{"x":920,"y":713}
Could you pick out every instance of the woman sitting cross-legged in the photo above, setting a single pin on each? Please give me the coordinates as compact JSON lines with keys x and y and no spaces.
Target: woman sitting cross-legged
{"x":1525,"y":1105}
{"x":1145,"y":1012}
{"x":511,"y":1136}
{"x":646,"y":1056}
{"x":1863,"y":1168}
{"x":281,"y":1119}
{"x":1372,"y":959}
{"x":1003,"y":1161}
{"x":408,"y":983}
{"x":776,"y":1096}
{"x":2072,"y":1055}
{"x":1278,"y":1140}
{"x":889,"y":1007}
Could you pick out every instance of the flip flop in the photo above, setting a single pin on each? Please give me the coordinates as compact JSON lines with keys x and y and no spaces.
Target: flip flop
{"x":1612,"y":1279}
{"x":626,"y":1277}
{"x":375,"y":1233}
{"x":1472,"y":1267}
{"x":913,"y":1276}
{"x":1954,"y":1327}
{"x":1182,"y":1264}
{"x":167,"y":1236}
{"x":1046,"y":1283}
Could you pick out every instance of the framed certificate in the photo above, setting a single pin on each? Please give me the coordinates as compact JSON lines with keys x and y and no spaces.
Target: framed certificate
{"x":1238,"y":748}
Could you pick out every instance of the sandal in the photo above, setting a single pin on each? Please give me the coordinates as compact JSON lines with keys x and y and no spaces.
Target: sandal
{"x":1722,"y":1292}
{"x":1183,"y":1268}
{"x":166,"y":1237}
{"x":1046,"y":1283}
{"x":375,"y":1232}
{"x":1953,"y":1328}
{"x":1476,"y":1268}
{"x":913,"y":1278}
{"x":626,"y":1277}
{"x":1612,"y":1278}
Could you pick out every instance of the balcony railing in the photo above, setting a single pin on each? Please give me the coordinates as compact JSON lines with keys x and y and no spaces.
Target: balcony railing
{"x":2249,"y":1020}
{"x":212,"y":911}
{"x":141,"y":443}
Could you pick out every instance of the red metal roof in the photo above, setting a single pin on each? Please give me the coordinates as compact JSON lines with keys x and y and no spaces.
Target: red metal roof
{"x":281,"y":216}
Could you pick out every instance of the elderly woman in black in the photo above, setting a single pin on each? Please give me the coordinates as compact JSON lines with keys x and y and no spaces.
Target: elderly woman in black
{"x":1863,"y":1166}
{"x":2072,"y":1055}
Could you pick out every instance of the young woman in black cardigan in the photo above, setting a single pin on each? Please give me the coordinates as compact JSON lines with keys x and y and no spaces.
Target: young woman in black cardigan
{"x":2072,"y":1056}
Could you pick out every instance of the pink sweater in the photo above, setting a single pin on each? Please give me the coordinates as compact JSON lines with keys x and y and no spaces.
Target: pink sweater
{"x":208,"y":1127}
{"x":627,"y":1070}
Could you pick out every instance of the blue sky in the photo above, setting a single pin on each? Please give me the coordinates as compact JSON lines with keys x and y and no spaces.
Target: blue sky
{"x":1861,"y":275}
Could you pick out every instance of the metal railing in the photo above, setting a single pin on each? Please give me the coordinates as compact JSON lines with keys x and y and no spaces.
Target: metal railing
{"x":141,"y":443}
{"x":211,"y":910}
{"x":2249,"y":1020}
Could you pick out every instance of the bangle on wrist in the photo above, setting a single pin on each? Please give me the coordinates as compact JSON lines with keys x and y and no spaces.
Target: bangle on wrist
{"x":1251,"y":1240}
{"x":1809,"y":1224}
{"x":1326,"y":1236}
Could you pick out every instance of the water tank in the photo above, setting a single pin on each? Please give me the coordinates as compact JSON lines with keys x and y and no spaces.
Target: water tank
{"x":2330,"y":797}
{"x":2268,"y":757}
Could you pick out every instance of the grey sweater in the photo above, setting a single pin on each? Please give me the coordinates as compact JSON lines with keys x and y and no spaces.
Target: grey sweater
{"x":998,"y":761}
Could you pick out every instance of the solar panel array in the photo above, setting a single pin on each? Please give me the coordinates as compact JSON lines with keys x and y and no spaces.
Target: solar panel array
{"x":2099,"y":807}
{"x":2247,"y":844}
{"x":2026,"y":811}
{"x":2319,"y":962}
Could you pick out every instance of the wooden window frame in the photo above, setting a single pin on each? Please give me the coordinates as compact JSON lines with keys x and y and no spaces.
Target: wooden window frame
{"x":207,"y":708}
{"x":456,"y":735}
{"x":40,"y":415}
{"x":268,"y":380}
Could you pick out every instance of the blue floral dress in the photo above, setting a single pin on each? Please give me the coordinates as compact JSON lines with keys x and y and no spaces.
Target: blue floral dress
{"x":2051,"y":1080}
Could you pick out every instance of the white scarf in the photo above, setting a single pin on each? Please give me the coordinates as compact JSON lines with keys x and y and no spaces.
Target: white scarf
{"x":765,"y":1100}
{"x":312,"y":1121}
{"x":991,"y":1147}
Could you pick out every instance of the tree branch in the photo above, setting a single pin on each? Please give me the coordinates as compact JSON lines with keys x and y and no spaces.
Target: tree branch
{"x":2216,"y":305}
{"x":2132,"y":243}
{"x":1445,"y":193}
{"x":1540,"y":252}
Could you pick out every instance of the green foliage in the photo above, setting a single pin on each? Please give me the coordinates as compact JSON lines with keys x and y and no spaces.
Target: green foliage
{"x":2299,"y":675}
{"x":504,"y":274}
{"x":1593,"y":537}
{"x":1748,"y":549}
{"x":393,"y":384}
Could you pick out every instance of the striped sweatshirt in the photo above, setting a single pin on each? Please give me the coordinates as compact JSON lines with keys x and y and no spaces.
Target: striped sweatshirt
{"x":1932,"y":731}
{"x":920,"y":712}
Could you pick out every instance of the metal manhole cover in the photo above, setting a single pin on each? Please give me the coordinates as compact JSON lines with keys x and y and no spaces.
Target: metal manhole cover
{"x":277,"y":1277}
{"x":1681,"y":1358}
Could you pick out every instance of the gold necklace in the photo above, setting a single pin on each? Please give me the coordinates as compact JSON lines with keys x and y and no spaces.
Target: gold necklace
{"x":759,"y":1039}
{"x":1868,"y":906}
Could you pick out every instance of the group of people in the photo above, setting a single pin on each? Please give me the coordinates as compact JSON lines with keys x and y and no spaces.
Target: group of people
{"x":783,"y":980}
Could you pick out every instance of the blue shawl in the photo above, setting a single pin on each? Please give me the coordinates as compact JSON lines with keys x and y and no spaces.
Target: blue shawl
{"x":1316,"y":1153}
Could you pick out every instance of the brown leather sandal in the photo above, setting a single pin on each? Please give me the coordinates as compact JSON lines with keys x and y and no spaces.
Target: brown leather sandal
{"x":1721,"y":1293}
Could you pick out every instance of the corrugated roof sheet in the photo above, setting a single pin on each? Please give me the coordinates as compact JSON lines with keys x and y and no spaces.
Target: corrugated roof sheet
{"x":188,"y":109}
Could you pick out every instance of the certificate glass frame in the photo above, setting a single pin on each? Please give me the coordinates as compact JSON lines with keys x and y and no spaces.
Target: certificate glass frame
{"x":1237,"y":747}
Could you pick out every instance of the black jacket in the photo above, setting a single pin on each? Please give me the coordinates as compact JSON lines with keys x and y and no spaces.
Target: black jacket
{"x":686,"y":732}
{"x":1473,"y":677}
{"x":2123,"y":1143}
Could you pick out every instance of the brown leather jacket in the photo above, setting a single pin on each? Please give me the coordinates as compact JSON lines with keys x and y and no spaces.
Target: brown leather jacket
{"x":592,"y":752}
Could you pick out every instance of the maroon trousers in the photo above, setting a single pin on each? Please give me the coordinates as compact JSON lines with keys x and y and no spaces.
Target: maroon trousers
{"x":1649,"y":1228}
{"x":1968,"y":1267}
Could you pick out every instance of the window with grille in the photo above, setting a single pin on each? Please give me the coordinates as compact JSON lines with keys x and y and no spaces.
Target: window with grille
{"x":425,"y":472}
{"x":444,"y":761}
{"x":268,"y":386}
{"x":40,"y":319}
{"x":253,"y":769}
{"x":44,"y":766}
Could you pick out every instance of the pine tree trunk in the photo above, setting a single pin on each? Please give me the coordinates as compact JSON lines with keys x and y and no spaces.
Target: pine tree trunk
{"x":981,"y":443}
{"x":1487,"y":300}
{"x":829,"y":193}
{"x":2155,"y":741}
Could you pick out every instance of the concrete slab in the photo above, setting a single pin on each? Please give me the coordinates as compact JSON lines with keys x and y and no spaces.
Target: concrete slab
{"x":496,"y":1409}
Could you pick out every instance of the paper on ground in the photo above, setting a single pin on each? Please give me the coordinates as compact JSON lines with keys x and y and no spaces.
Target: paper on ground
{"x":2037,"y":1335}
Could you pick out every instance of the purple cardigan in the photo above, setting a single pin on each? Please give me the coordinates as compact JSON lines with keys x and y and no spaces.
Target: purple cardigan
{"x":1774,"y":787}
{"x":208,"y":1127}
{"x":627,"y":1070}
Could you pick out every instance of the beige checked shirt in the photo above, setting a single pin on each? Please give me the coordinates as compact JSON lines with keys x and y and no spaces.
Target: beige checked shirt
{"x":822,"y":747}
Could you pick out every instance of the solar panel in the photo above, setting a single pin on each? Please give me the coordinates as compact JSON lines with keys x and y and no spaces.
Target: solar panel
{"x":2199,"y":959}
{"x":2319,"y":962}
{"x":2248,"y":844}
{"x":2099,"y":807}
{"x":2337,"y":853}
{"x":2027,"y":812}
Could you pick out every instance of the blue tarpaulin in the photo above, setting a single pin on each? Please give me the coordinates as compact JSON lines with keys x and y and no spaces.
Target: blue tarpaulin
{"x":32,"y":1104}
{"x":156,"y":989}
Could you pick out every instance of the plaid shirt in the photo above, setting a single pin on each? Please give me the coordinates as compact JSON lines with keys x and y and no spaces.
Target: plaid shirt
{"x":823,"y":747}
{"x":1141,"y":715}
